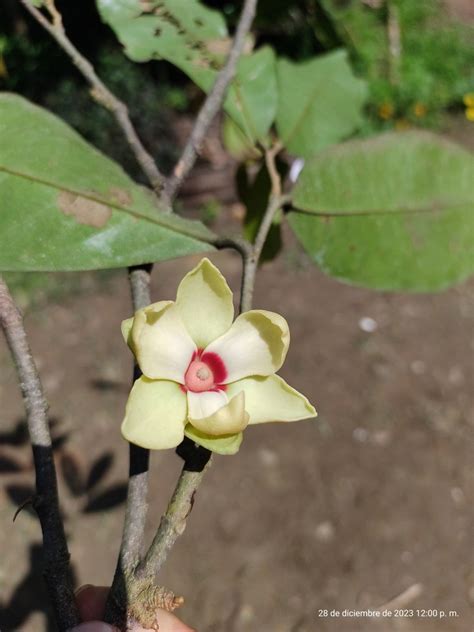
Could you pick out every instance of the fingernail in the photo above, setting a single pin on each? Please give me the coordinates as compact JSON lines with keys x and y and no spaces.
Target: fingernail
{"x":82,"y":589}
{"x":93,"y":626}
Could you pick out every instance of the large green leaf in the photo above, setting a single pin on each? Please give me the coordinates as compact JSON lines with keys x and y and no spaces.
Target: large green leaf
{"x":65,"y":206}
{"x":194,"y":38}
{"x":320,"y":102}
{"x":253,"y":95}
{"x":395,"y":212}
{"x":184,"y":32}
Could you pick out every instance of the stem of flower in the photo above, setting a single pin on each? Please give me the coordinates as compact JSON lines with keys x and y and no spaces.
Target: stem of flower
{"x":136,"y":507}
{"x":252,"y":257}
{"x":57,"y":573}
{"x":173,"y":522}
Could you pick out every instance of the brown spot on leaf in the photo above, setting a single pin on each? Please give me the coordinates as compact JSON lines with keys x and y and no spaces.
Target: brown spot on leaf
{"x":120,"y":196}
{"x":219,"y":46}
{"x":84,"y":211}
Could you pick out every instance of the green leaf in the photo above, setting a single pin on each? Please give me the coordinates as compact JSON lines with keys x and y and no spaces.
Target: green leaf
{"x":320,"y":102}
{"x":235,"y":141}
{"x":226,"y":444}
{"x":66,"y":206}
{"x":395,"y":212}
{"x":195,"y":39}
{"x":184,"y":32}
{"x":253,"y":95}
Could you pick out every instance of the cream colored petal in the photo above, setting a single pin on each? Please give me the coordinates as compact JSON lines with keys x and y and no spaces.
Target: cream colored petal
{"x":271,"y":399}
{"x":155,"y":415}
{"x":228,"y":419}
{"x":126,"y":328}
{"x":227,"y":444}
{"x":161,"y":343}
{"x":256,"y":344}
{"x":204,"y":302}
{"x":201,"y":405}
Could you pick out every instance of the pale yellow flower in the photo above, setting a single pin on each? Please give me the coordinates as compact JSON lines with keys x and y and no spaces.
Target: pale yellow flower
{"x":205,"y":376}
{"x":468,"y":100}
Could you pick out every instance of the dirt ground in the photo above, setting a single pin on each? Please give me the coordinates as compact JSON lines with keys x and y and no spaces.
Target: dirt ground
{"x":345,"y":512}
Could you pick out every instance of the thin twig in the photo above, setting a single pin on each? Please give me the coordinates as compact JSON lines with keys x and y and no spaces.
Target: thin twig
{"x":211,"y":106}
{"x":136,"y":507}
{"x":57,"y":573}
{"x":275,"y":202}
{"x":270,"y":162}
{"x":236,"y":242}
{"x":100,"y":92}
{"x":173,"y":523}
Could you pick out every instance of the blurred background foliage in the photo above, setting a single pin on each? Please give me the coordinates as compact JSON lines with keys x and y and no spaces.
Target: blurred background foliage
{"x":419,"y":63}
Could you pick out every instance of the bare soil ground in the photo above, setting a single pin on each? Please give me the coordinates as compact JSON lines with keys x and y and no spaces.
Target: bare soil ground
{"x":345,"y":512}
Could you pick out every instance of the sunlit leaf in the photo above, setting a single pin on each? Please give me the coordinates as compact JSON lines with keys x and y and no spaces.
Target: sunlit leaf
{"x":395,"y":212}
{"x":66,"y":206}
{"x":319,"y":102}
{"x":194,"y":38}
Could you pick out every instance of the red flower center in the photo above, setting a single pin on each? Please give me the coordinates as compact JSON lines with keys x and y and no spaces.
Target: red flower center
{"x":205,"y":372}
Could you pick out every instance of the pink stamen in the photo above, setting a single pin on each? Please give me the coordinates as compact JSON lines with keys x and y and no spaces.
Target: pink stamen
{"x":205,"y":372}
{"x":199,"y":377}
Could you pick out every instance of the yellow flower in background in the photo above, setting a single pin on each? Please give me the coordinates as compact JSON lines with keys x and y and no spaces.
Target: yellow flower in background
{"x":419,"y":110}
{"x":402,"y":125}
{"x":386,"y":111}
{"x":468,"y":100}
{"x":205,"y":376}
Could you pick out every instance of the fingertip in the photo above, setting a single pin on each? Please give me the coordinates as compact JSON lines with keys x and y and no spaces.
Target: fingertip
{"x":91,"y":602}
{"x":94,"y":626}
{"x":170,"y":623}
{"x":167,"y":622}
